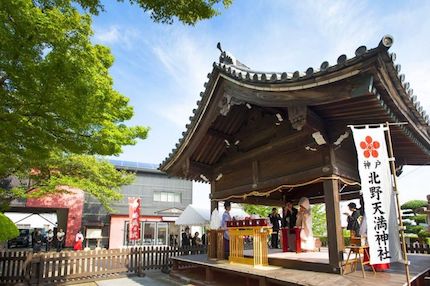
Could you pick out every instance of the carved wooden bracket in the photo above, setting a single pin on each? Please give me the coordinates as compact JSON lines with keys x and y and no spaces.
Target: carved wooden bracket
{"x":190,"y":168}
{"x":227,"y":102}
{"x":297,"y":116}
{"x":186,"y":167}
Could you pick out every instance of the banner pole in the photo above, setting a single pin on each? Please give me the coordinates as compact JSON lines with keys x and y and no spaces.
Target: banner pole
{"x":399,"y":212}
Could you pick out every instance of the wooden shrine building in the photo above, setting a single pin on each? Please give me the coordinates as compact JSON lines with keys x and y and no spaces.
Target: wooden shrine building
{"x":266,"y":137}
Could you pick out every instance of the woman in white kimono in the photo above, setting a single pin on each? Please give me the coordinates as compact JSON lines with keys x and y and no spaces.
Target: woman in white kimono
{"x":304,"y":221}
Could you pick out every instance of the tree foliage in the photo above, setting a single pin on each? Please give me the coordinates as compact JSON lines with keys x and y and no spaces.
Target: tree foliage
{"x":414,"y":204}
{"x":57,"y":97}
{"x":96,"y":177}
{"x":165,"y":11}
{"x":319,"y":223}
{"x":414,"y":229}
{"x":423,"y":234}
{"x":420,"y":218}
{"x":262,"y":211}
{"x":55,"y":90}
{"x":8,"y":229}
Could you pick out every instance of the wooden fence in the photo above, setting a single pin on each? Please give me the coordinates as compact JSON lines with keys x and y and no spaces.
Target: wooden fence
{"x":71,"y":266}
{"x":418,"y":248}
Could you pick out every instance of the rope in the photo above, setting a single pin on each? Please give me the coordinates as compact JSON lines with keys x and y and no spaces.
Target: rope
{"x":279,"y":188}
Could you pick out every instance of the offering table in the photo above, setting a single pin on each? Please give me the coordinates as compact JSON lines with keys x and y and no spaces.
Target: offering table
{"x":255,"y":228}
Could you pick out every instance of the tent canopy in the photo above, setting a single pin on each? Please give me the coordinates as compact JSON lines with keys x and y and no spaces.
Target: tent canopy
{"x":196,"y":216}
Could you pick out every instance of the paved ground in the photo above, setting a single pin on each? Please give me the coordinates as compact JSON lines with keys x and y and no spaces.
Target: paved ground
{"x":152,"y":278}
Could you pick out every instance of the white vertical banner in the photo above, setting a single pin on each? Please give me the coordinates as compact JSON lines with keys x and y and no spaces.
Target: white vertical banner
{"x":377,"y":187}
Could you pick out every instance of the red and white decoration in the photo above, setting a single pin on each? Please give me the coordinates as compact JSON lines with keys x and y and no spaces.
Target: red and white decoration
{"x":379,"y":201}
{"x":134,"y":215}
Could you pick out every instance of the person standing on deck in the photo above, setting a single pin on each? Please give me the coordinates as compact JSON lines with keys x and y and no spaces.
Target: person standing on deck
{"x":226,"y":217}
{"x":304,"y":221}
{"x":290,"y":216}
{"x":353,"y":224}
{"x":275,"y":218}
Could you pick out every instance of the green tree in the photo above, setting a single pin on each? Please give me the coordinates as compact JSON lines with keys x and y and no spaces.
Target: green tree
{"x":165,"y":11}
{"x":96,"y":177}
{"x":55,"y":90}
{"x":319,"y":223}
{"x":56,"y":94}
{"x":262,"y":211}
{"x":414,"y":204}
{"x":8,"y":229}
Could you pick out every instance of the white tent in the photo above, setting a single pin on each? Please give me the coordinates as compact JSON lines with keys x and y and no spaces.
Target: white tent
{"x":194,"y":216}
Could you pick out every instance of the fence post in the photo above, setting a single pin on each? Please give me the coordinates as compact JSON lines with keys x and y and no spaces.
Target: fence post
{"x":35,"y":271}
{"x":140,"y":272}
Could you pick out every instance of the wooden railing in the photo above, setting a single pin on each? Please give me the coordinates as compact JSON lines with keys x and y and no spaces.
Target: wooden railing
{"x":70,"y":266}
{"x":418,"y":248}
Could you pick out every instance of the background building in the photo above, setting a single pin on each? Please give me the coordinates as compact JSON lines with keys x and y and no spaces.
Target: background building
{"x":163,"y":200}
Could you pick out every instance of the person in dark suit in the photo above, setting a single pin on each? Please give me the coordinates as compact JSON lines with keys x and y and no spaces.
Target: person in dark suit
{"x":37,"y":241}
{"x":275,"y":218}
{"x":290,"y":216}
{"x":186,"y":237}
{"x":353,"y":224}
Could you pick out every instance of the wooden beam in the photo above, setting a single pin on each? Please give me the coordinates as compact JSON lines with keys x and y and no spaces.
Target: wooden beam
{"x":263,"y":150}
{"x":301,"y":265}
{"x":298,"y":177}
{"x":314,"y":122}
{"x":263,"y":201}
{"x":221,"y":135}
{"x":334,"y":229}
{"x":200,"y":168}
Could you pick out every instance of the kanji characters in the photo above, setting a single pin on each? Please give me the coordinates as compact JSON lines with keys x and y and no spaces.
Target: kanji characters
{"x":374,"y":178}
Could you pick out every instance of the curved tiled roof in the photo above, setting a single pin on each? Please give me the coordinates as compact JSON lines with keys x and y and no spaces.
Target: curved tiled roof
{"x":229,"y":68}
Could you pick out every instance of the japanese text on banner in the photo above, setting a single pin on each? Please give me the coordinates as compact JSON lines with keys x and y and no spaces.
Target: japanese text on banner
{"x":376,"y":185}
{"x":134,"y":216}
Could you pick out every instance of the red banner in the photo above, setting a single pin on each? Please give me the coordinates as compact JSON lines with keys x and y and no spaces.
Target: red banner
{"x":134,"y":215}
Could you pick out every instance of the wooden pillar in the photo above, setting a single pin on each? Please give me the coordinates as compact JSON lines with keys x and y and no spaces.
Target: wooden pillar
{"x":334,"y":229}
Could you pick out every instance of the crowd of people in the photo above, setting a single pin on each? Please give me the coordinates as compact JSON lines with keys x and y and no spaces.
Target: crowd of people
{"x":49,"y":241}
{"x":291,"y":218}
{"x":190,"y":240}
{"x":300,"y":218}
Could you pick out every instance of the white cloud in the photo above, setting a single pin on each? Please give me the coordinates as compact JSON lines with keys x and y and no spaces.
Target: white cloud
{"x":184,"y":61}
{"x":110,"y":35}
{"x":114,"y":34}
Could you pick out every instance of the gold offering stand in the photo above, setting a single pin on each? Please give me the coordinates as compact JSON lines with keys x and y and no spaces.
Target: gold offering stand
{"x":238,"y":231}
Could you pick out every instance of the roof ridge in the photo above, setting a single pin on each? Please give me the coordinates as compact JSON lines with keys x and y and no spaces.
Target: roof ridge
{"x":231,"y":67}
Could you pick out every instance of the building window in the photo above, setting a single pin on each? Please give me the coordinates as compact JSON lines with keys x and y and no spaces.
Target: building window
{"x":152,"y":233}
{"x":167,"y":197}
{"x":149,"y":233}
{"x":161,"y":233}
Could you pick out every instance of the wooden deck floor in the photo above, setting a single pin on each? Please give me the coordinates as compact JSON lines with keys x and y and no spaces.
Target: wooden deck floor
{"x":316,"y":257}
{"x":272,"y":275}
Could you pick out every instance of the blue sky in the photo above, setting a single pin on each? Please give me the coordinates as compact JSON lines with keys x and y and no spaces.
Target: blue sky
{"x":162,"y":68}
